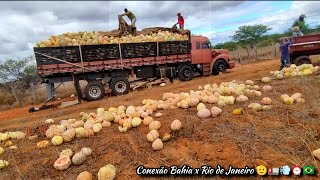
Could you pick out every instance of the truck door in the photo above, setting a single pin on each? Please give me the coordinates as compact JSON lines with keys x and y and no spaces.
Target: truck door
{"x":206,"y":52}
{"x":196,"y":53}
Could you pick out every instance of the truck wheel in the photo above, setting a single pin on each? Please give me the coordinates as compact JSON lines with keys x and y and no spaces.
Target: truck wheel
{"x":219,"y":66}
{"x":185,"y":73}
{"x":94,"y":90}
{"x":119,"y":86}
{"x":302,"y":60}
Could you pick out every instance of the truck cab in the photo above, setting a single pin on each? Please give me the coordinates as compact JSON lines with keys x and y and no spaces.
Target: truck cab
{"x":206,"y":60}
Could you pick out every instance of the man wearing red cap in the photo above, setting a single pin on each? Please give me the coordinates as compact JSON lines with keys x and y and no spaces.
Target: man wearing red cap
{"x":180,"y":21}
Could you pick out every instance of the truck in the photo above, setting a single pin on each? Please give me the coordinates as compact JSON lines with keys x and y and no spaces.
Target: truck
{"x":114,"y":65}
{"x":303,"y":47}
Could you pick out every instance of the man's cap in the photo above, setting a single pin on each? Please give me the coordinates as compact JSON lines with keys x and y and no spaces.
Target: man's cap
{"x":302,"y":15}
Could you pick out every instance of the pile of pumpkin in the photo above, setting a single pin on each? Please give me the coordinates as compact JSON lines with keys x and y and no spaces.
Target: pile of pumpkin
{"x":96,"y":38}
{"x":66,"y":158}
{"x":293,"y":70}
{"x":92,"y":123}
{"x":6,"y":137}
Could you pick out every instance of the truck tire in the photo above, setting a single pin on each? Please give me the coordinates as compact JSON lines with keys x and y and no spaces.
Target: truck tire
{"x":119,"y":86}
{"x":94,"y":90}
{"x":185,"y":73}
{"x":302,"y":60}
{"x":219,"y":66}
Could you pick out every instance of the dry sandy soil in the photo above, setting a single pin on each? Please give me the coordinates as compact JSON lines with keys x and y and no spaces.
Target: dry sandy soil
{"x":284,"y":136}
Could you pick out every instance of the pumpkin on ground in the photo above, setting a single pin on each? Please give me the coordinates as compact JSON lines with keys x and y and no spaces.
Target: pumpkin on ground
{"x":42,"y":144}
{"x":152,"y":135}
{"x":157,"y":144}
{"x":154,"y":125}
{"x":107,"y":172}
{"x":62,"y":163}
{"x":85,"y":175}
{"x":176,"y":125}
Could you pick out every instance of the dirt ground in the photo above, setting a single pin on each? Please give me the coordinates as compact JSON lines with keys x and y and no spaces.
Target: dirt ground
{"x":284,"y":136}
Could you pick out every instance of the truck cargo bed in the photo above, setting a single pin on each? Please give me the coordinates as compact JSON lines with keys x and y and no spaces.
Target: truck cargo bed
{"x":109,"y":56}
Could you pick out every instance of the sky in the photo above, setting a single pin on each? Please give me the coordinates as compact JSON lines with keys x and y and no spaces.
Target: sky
{"x":23,"y":23}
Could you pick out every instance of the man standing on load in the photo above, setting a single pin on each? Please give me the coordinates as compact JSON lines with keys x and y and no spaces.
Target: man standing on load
{"x":131,"y":16}
{"x":180,"y":21}
{"x":298,"y":25}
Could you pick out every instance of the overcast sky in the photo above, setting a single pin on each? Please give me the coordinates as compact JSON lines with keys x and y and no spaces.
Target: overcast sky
{"x":22,"y":24}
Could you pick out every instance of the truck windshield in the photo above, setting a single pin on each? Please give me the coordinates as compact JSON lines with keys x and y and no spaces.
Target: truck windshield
{"x":205,"y":45}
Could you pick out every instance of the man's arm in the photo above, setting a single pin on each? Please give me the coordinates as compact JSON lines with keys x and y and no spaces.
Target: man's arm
{"x":294,"y":23}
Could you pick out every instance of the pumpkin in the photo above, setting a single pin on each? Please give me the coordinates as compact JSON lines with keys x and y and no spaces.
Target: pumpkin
{"x":149,"y":111}
{"x":266,"y":80}
{"x":130,"y":110}
{"x":266,"y":108}
{"x":49,"y":121}
{"x":88,"y":124}
{"x":88,"y":133}
{"x":42,"y":144}
{"x":147,"y":120}
{"x":31,"y":138}
{"x":3,"y":164}
{"x":204,"y":113}
{"x":107,"y":172}
{"x":78,"y":124}
{"x":12,"y":135}
{"x":78,"y":158}
{"x":201,"y":106}
{"x":113,"y":109}
{"x":86,"y":151}
{"x":136,"y":121}
{"x":212,"y":99}
{"x":106,"y":124}
{"x":62,"y":163}
{"x":154,"y":125}
{"x":242,"y":98}
{"x":122,"y":129}
{"x":68,"y":135}
{"x":215,"y":111}
{"x":13,"y":147}
{"x":108,"y":116}
{"x":1,"y":151}
{"x":71,"y":121}
{"x":288,"y":100}
{"x":3,"y":137}
{"x":157,"y":144}
{"x":8,"y":143}
{"x":66,"y":152}
{"x":316,"y":153}
{"x":300,"y":100}
{"x":20,"y":135}
{"x":249,"y":82}
{"x":284,"y":96}
{"x":255,"y":87}
{"x":279,"y":76}
{"x":152,"y":135}
{"x":266,"y":101}
{"x":57,"y":140}
{"x":100,"y":111}
{"x":97,"y":127}
{"x":257,"y":93}
{"x":193,"y":101}
{"x":237,"y":111}
{"x":296,"y":96}
{"x":221,"y":103}
{"x":255,"y":106}
{"x":80,"y":132}
{"x":127,"y":123}
{"x":166,"y":137}
{"x":267,"y":88}
{"x":176,"y":125}
{"x":158,"y":115}
{"x":85,"y":175}
{"x":144,"y":114}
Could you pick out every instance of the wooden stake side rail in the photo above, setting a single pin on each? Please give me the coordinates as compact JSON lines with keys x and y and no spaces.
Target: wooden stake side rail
{"x":46,"y":70}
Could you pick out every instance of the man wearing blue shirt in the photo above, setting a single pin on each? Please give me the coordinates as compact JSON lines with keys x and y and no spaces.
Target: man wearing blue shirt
{"x":285,"y":56}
